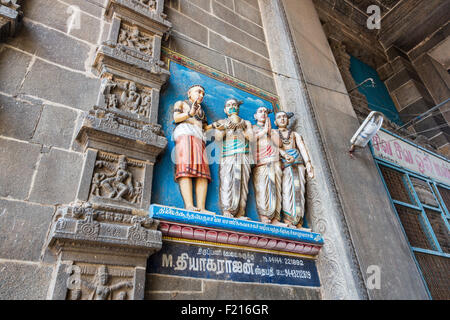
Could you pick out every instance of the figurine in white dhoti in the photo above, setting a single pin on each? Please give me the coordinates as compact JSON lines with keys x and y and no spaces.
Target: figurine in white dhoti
{"x":235,"y":162}
{"x":267,"y":172}
{"x":295,"y":165}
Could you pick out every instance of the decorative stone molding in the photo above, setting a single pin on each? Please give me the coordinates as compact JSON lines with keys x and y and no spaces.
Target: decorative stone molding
{"x":10,"y":18}
{"x":226,"y":237}
{"x":112,"y":131}
{"x":105,"y":228}
{"x":87,"y":237}
{"x":104,"y":240}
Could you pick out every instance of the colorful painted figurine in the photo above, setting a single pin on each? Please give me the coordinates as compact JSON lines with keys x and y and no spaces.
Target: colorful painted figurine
{"x":235,"y":163}
{"x":190,"y":141}
{"x":295,"y":164}
{"x":267,"y":172}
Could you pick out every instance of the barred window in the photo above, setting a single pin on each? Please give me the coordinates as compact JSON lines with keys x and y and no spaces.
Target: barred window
{"x":423,"y":210}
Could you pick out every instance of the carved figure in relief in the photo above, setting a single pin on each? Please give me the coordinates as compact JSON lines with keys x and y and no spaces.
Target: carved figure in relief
{"x":100,"y":288}
{"x":191,"y":161}
{"x":96,"y":181}
{"x":295,"y":165}
{"x":120,"y":183}
{"x":137,"y":195}
{"x":267,"y":172}
{"x":235,"y":163}
{"x":151,"y":4}
{"x":130,"y":98}
{"x":144,"y":108}
{"x":134,"y":39}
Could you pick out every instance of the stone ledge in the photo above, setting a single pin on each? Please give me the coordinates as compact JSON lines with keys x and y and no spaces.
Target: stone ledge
{"x":97,"y":229}
{"x":109,"y":131}
{"x":190,"y":225}
{"x":134,"y":10}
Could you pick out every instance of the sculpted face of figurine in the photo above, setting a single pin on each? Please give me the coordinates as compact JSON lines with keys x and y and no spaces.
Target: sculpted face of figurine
{"x":282,"y":120}
{"x":232,"y":107}
{"x":196,"y":94}
{"x":132,"y":87}
{"x":261,"y":114}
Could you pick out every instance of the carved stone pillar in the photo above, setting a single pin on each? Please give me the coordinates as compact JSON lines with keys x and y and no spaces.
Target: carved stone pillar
{"x":103,"y":240}
{"x":10,"y":18}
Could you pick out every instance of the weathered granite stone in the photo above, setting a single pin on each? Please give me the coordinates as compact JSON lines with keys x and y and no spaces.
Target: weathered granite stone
{"x":18,"y":119}
{"x":188,"y":26}
{"x":227,"y":3}
{"x":156,"y":282}
{"x":24,"y":281}
{"x":225,"y":29}
{"x":253,"y":77}
{"x":234,"y":50}
{"x":23,"y":228}
{"x":57,"y":177}
{"x":248,"y":11}
{"x":59,"y":85}
{"x":51,"y":45}
{"x":17,"y":161}
{"x":203,"y":55}
{"x":55,"y":127}
{"x":190,"y":289}
{"x":236,"y":20}
{"x":13,"y":66}
{"x":96,"y":237}
{"x":56,"y":15}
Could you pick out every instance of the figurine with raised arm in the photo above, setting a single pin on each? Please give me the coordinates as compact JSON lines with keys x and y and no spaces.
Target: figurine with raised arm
{"x":191,"y":160}
{"x":295,"y":165}
{"x":267,"y":172}
{"x":101,"y":290}
{"x":235,"y":163}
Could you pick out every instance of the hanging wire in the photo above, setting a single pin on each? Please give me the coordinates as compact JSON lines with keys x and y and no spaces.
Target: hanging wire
{"x":381,"y":107}
{"x":297,"y":79}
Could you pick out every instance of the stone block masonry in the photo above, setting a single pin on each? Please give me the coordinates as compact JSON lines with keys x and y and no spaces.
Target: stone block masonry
{"x":224,"y":34}
{"x":45,"y":84}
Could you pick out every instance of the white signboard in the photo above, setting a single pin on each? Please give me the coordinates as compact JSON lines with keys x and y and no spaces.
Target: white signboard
{"x":408,"y":156}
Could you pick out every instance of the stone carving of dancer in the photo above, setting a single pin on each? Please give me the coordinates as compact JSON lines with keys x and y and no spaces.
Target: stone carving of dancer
{"x":100,"y":288}
{"x":120,"y":183}
{"x":295,"y":165}
{"x":235,"y":162}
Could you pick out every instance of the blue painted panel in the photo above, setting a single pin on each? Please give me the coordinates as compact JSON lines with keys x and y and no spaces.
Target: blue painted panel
{"x":212,"y":221}
{"x":185,"y":260}
{"x":378,"y":97}
{"x":165,"y":190}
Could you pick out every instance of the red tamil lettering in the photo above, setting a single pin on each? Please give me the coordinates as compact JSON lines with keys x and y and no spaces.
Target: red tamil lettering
{"x":398,"y":150}
{"x":420,"y":163}
{"x":408,"y":156}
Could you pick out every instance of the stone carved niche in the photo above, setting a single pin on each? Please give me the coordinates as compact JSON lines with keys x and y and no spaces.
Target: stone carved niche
{"x":126,"y":95}
{"x":117,"y":179}
{"x":100,"y":282}
{"x":132,"y":37}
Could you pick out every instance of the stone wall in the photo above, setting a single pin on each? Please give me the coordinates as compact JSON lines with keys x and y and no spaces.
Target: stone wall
{"x":227,"y":35}
{"x":45,"y":84}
